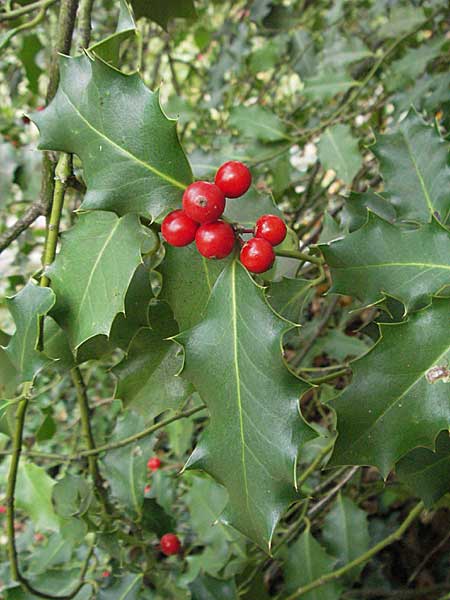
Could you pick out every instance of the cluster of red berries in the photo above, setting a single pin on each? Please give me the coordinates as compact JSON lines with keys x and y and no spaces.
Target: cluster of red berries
{"x":169,"y":543}
{"x":203,"y":205}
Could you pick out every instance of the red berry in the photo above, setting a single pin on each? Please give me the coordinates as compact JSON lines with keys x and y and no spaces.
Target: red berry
{"x":257,"y":255}
{"x":2,"y":509}
{"x":106,"y":574}
{"x":170,"y":544}
{"x":203,"y":201}
{"x":40,"y":108}
{"x":178,"y":229}
{"x":25,"y":119}
{"x":271,"y":228}
{"x":147,"y":489}
{"x":215,"y":240}
{"x":233,"y":178}
{"x":154,"y":463}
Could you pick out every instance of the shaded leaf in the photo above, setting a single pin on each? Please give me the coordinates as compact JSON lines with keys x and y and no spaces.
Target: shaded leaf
{"x":354,"y":213}
{"x":155,"y":518}
{"x":125,"y":587}
{"x":163,"y":12}
{"x":257,"y":122}
{"x":132,"y":160}
{"x":206,"y":587}
{"x":327,"y":84}
{"x":147,"y":376}
{"x":338,"y":150}
{"x":91,"y":292}
{"x":425,"y":472}
{"x":108,"y":49}
{"x":33,"y":496}
{"x":306,"y":561}
{"x":390,"y":407}
{"x":345,"y":533}
{"x":8,"y":372}
{"x":126,"y":468}
{"x":26,"y":308}
{"x":255,"y":432}
{"x":289,"y":297}
{"x":250,"y":207}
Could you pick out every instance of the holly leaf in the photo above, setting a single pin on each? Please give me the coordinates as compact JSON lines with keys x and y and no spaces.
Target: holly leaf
{"x":345,"y":533}
{"x":108,"y":49}
{"x":391,"y":407}
{"x":257,"y":122}
{"x":380,"y":259}
{"x":425,"y":472}
{"x":147,"y":376}
{"x":354,"y":213}
{"x":233,"y":357}
{"x":27,"y":307}
{"x":91,"y":292}
{"x":417,"y":187}
{"x":206,"y":587}
{"x":250,"y":207}
{"x":306,"y":561}
{"x":34,"y":496}
{"x":163,"y":12}
{"x":155,"y":518}
{"x":327,"y":84}
{"x":132,"y":159}
{"x":125,"y":587}
{"x":188,"y":279}
{"x":8,"y":372}
{"x":126,"y":468}
{"x":289,"y":297}
{"x":338,"y":150}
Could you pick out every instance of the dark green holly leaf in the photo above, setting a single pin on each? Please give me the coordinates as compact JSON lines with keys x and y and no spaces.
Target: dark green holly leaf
{"x":126,"y":468}
{"x":250,"y":207}
{"x":26,"y":308}
{"x":72,"y":496}
{"x":109,"y":48}
{"x":206,"y":587}
{"x":137,"y":300}
{"x":55,"y":551}
{"x":338,"y":150}
{"x":289,"y":297}
{"x":233,"y":357}
{"x":147,"y":376}
{"x":258,"y":122}
{"x":155,"y":518}
{"x":340,"y":51}
{"x":132,"y":160}
{"x":427,"y":473}
{"x":307,"y":561}
{"x":163,"y":12}
{"x":302,"y":53}
{"x":125,"y":587}
{"x":391,"y":406}
{"x":91,"y":292}
{"x":417,"y":186}
{"x":380,"y":259}
{"x":407,"y":69}
{"x":31,"y":46}
{"x":188,"y":279}
{"x":345,"y":533}
{"x":354,"y":214}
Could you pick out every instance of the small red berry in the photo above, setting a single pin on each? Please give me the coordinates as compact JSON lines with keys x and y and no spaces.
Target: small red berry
{"x":271,"y":228}
{"x":154,"y":463}
{"x":2,"y":509}
{"x":257,"y":255}
{"x":215,"y":240}
{"x":147,"y":489}
{"x":178,"y":229}
{"x":233,"y":178}
{"x":170,"y":544}
{"x":106,"y":574}
{"x":26,"y":120}
{"x":40,"y":108}
{"x":203,"y":201}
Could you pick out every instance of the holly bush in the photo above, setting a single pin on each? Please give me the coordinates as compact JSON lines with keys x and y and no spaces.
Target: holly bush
{"x":272,"y":423}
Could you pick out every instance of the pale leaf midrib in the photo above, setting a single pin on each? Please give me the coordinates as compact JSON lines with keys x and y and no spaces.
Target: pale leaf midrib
{"x":147,"y":166}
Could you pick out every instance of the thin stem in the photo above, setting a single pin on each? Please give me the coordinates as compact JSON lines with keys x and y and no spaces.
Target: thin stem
{"x":316,"y":260}
{"x":62,"y":172}
{"x":23,"y":10}
{"x":141,"y":434}
{"x":315,"y":463}
{"x":329,"y":377}
{"x":35,"y":211}
{"x":85,"y":22}
{"x":363,"y":558}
